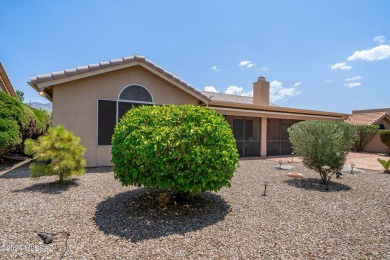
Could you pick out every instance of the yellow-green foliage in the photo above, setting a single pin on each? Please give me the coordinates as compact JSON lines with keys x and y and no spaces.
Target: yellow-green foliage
{"x":186,"y":149}
{"x":385,"y":164}
{"x":56,"y":153}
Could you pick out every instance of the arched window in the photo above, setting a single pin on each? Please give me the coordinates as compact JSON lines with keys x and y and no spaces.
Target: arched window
{"x":111,"y":111}
{"x":381,"y":126}
{"x":136,"y":93}
{"x":133,"y":96}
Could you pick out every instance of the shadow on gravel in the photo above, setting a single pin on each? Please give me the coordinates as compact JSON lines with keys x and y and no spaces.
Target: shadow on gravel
{"x":134,"y":215}
{"x":50,"y":187}
{"x":105,"y":169}
{"x":315,"y":184}
{"x":19,"y":172}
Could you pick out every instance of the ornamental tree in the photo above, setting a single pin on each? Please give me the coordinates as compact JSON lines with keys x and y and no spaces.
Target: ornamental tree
{"x":322,"y":143}
{"x":185,"y":149}
{"x":56,"y":153}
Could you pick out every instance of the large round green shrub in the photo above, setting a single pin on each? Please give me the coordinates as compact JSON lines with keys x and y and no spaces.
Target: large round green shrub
{"x":322,"y":143}
{"x":185,"y":149}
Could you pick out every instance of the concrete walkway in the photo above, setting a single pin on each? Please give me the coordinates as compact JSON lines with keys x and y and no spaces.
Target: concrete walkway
{"x":367,"y":161}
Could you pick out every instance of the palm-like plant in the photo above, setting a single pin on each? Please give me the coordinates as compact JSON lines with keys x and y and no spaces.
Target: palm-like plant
{"x":386,"y":164}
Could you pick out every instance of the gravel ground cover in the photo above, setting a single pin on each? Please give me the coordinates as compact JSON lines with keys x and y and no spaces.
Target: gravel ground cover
{"x":100,"y":219}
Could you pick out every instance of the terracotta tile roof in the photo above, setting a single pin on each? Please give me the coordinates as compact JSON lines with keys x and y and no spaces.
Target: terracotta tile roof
{"x":366,"y":118}
{"x":228,"y":98}
{"x":5,"y":83}
{"x":213,"y":96}
{"x":111,"y":63}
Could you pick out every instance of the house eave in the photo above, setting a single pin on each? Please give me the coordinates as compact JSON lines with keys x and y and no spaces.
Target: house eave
{"x":135,"y":61}
{"x":277,"y":110}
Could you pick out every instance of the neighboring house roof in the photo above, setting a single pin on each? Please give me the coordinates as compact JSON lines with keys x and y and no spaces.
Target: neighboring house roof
{"x":367,"y":118}
{"x":5,"y":83}
{"x":43,"y":83}
{"x":213,"y":96}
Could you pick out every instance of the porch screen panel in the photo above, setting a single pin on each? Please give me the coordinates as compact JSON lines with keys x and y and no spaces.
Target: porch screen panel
{"x":247,"y":134}
{"x":238,"y":132}
{"x":106,"y":121}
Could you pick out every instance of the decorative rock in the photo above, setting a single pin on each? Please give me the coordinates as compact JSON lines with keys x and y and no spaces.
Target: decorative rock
{"x":296,"y":175}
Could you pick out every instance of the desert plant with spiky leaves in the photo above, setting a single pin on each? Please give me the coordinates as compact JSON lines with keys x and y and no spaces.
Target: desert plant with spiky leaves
{"x":56,"y":153}
{"x":385,"y":164}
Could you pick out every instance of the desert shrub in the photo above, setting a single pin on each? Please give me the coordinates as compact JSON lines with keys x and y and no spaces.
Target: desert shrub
{"x":385,"y":137}
{"x":56,"y":153}
{"x":186,"y":149}
{"x":43,"y":117}
{"x":9,"y":135}
{"x":385,"y":164}
{"x":322,"y":143}
{"x":35,"y":123}
{"x":31,"y":123}
{"x":11,"y":116}
{"x":364,"y":134}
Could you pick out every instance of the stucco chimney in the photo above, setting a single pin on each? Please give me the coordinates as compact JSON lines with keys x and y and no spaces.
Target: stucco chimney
{"x":261,"y":92}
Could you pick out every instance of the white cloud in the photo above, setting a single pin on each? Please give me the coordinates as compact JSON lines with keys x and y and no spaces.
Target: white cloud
{"x":234,"y":90}
{"x":379,"y":39}
{"x":380,"y":52}
{"x":264,"y":68}
{"x":353,"y":78}
{"x":248,"y":94}
{"x":216,"y":69}
{"x":210,"y":89}
{"x":246,"y":64}
{"x":278,"y":92}
{"x":353,"y":84}
{"x":297,"y":84}
{"x":328,"y":81}
{"x":341,"y":66}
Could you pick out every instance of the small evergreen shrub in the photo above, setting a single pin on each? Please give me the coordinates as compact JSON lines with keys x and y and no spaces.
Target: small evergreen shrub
{"x":322,"y":143}
{"x":385,"y":137}
{"x":186,"y":149}
{"x":56,"y":153}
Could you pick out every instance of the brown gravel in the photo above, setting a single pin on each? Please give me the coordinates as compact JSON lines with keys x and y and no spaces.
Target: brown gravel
{"x":297,"y":220}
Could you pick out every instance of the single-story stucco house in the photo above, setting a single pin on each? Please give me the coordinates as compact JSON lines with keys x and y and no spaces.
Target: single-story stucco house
{"x":5,"y":83}
{"x":379,"y":117}
{"x":90,"y":100}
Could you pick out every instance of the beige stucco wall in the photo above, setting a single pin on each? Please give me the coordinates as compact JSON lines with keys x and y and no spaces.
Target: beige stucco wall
{"x":75,"y":104}
{"x":376,"y":145}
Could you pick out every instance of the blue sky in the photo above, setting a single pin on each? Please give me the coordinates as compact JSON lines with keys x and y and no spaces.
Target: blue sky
{"x":320,"y":55}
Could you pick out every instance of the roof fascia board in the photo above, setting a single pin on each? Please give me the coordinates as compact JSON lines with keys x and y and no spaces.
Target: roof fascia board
{"x":41,"y":86}
{"x":276,"y":109}
{"x":276,"y":113}
{"x":53,"y":82}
